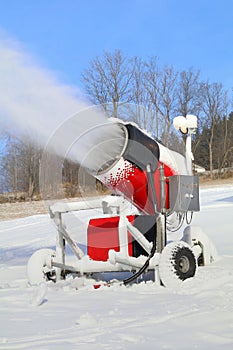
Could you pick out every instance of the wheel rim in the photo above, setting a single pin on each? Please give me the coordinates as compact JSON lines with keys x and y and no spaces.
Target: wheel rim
{"x":184,"y":264}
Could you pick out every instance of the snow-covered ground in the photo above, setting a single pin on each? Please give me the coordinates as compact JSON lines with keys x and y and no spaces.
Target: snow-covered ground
{"x":71,"y":315}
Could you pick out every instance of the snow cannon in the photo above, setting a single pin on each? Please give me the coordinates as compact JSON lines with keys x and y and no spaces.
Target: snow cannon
{"x":145,"y":170}
{"x":154,"y":193}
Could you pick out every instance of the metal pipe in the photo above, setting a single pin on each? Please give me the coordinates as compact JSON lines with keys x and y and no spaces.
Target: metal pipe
{"x":162,"y":189}
{"x":139,"y":237}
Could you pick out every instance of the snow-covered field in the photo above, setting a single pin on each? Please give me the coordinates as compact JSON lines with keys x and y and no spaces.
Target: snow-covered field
{"x":198,"y":315}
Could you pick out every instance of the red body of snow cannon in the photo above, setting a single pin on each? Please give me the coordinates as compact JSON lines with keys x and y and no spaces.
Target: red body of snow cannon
{"x":129,"y":176}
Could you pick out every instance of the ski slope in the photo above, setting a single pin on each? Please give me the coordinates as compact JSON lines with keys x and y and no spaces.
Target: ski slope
{"x":73,"y":315}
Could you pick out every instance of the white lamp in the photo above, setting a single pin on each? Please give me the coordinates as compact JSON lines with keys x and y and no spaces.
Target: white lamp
{"x":185,"y":123}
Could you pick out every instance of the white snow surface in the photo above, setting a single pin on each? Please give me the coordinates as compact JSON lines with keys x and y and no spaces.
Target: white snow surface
{"x":73,"y":315}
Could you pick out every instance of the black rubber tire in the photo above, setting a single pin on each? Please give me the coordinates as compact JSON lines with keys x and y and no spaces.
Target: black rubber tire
{"x":177,"y":263}
{"x":36,"y":265}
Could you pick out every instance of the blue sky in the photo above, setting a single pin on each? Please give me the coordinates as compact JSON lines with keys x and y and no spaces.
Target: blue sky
{"x":65,"y":35}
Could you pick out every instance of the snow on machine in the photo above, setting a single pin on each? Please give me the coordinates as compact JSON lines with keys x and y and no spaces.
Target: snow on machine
{"x":155,"y":191}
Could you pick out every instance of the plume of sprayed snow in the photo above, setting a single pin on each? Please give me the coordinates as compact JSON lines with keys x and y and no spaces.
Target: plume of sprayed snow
{"x":33,"y":102}
{"x":30,"y":97}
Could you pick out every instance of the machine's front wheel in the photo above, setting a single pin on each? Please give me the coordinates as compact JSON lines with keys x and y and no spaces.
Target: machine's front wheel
{"x":177,"y":263}
{"x":37,"y":269}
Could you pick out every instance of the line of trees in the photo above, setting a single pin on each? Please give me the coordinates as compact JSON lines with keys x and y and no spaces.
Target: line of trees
{"x":166,"y":93}
{"x":116,"y":81}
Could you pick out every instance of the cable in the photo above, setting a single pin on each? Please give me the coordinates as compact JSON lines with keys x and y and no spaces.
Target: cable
{"x":143,"y":268}
{"x":191,"y":217}
{"x":181,"y":221}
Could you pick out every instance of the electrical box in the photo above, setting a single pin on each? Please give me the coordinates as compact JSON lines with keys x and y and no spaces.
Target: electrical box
{"x":184,"y":193}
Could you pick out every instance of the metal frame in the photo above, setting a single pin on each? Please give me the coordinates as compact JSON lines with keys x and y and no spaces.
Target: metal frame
{"x":118,"y":261}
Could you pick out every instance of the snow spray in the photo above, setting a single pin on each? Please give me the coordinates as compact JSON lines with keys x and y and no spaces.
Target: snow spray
{"x":34,"y":104}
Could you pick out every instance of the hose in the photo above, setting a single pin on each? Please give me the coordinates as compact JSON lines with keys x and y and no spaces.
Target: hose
{"x":143,"y":268}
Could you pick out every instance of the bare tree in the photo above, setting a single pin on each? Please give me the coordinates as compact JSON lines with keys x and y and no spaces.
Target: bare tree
{"x":224,"y":142}
{"x":30,"y":161}
{"x":10,"y":169}
{"x":20,"y":166}
{"x":108,"y":79}
{"x":213,"y":107}
{"x":140,"y":110}
{"x":3,"y":142}
{"x":188,"y":94}
{"x":162,"y":89}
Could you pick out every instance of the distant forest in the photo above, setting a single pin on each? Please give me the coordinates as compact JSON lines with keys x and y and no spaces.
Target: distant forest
{"x":160,"y":92}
